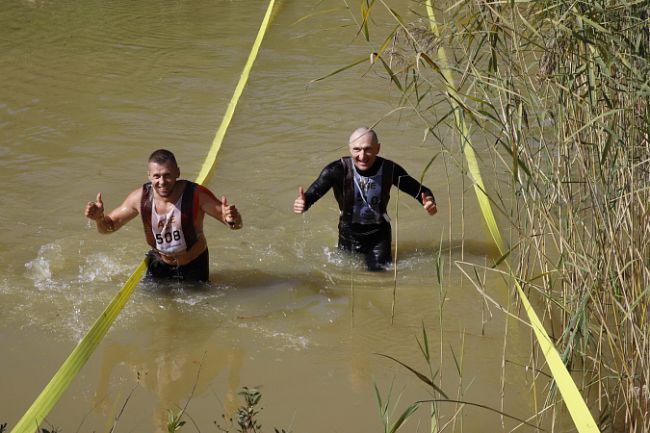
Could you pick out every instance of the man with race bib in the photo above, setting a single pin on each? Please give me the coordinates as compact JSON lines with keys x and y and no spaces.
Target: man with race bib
{"x":172,"y":212}
{"x":361,"y":184}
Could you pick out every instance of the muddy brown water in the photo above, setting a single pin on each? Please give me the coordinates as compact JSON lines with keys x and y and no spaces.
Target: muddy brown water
{"x":89,"y":89}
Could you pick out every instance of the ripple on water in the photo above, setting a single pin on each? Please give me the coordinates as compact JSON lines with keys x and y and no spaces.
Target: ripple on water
{"x":281,"y":340}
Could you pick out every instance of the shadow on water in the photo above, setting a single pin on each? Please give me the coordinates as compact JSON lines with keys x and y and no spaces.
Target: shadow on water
{"x":252,"y":294}
{"x":320,"y":292}
{"x":459,"y":249}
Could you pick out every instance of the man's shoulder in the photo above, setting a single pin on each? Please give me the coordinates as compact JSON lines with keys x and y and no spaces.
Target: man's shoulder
{"x":203,"y":192}
{"x":336,"y":166}
{"x":385,"y":160}
{"x":134,"y":198}
{"x":339,"y":162}
{"x":390,"y":163}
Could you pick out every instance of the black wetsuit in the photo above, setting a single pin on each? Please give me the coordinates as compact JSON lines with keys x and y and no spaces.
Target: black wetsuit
{"x":364,"y":226}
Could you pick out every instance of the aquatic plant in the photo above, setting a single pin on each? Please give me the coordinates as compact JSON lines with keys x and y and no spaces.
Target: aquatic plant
{"x":438,"y":396}
{"x":247,"y":414}
{"x":174,"y":421}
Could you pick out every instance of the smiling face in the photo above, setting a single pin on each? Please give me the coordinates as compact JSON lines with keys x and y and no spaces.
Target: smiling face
{"x":163,"y":177}
{"x":364,"y":148}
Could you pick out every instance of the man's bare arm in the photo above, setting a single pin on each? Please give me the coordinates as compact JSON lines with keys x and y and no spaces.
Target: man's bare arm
{"x":121,"y":215}
{"x":220,"y":209}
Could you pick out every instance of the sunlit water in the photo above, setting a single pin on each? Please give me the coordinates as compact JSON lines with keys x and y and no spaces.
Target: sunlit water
{"x":89,"y":89}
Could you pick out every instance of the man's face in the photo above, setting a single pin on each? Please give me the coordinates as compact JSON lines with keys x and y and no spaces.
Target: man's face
{"x":163,"y":177}
{"x":364,"y":151}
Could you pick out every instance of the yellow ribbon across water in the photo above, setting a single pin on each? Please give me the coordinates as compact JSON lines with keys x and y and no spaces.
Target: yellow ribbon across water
{"x":573,"y":400}
{"x":44,"y":403}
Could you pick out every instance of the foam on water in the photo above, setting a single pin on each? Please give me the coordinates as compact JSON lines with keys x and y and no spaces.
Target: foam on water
{"x":283,"y":340}
{"x":4,"y":287}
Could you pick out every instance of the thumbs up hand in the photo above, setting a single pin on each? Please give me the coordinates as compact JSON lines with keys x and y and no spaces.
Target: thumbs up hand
{"x":230,"y":214}
{"x":299,"y":203}
{"x":95,"y":209}
{"x":429,"y":204}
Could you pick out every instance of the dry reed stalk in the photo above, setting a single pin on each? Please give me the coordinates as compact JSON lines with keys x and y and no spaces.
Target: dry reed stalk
{"x":559,"y":91}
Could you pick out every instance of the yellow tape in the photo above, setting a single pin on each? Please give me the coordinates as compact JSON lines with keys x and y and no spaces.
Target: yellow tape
{"x":50,"y":395}
{"x":77,"y":358}
{"x":573,"y":400}
{"x":243,"y":79}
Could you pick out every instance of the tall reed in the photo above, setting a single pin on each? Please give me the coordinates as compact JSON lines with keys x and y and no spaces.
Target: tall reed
{"x":555,"y":97}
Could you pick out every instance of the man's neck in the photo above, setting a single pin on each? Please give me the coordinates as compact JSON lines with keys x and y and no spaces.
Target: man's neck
{"x":374,"y":168}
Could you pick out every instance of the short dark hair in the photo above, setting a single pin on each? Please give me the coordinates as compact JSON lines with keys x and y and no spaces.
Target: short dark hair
{"x":163,"y":156}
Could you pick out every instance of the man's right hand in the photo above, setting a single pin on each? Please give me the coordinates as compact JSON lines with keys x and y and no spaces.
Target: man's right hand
{"x":299,"y":204}
{"x":95,"y":209}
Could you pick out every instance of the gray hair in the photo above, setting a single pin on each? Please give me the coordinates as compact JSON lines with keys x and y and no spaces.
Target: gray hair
{"x":360,"y":132}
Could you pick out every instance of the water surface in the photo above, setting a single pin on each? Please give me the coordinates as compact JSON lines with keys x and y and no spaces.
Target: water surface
{"x":90,"y":89}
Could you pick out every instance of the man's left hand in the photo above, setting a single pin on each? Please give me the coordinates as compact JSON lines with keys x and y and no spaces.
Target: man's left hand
{"x":230,"y":214}
{"x":429,"y":204}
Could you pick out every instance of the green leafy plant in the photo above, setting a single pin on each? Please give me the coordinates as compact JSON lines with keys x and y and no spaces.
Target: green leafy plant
{"x":247,"y":414}
{"x":174,"y":422}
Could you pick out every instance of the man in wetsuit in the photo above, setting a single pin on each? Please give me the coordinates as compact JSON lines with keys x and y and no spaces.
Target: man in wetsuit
{"x":361,"y":184}
{"x":172,"y":213}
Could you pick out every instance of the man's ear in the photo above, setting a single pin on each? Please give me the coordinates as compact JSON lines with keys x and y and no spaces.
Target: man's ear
{"x":178,"y":172}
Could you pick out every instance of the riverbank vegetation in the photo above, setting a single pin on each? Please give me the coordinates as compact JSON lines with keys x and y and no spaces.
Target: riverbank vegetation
{"x":554,"y":97}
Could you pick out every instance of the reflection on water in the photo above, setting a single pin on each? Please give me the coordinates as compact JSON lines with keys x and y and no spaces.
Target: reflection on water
{"x":173,"y":357}
{"x":89,"y":90}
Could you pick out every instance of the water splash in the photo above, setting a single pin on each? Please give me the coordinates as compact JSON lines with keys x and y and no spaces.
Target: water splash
{"x":49,"y":260}
{"x":101,"y":267}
